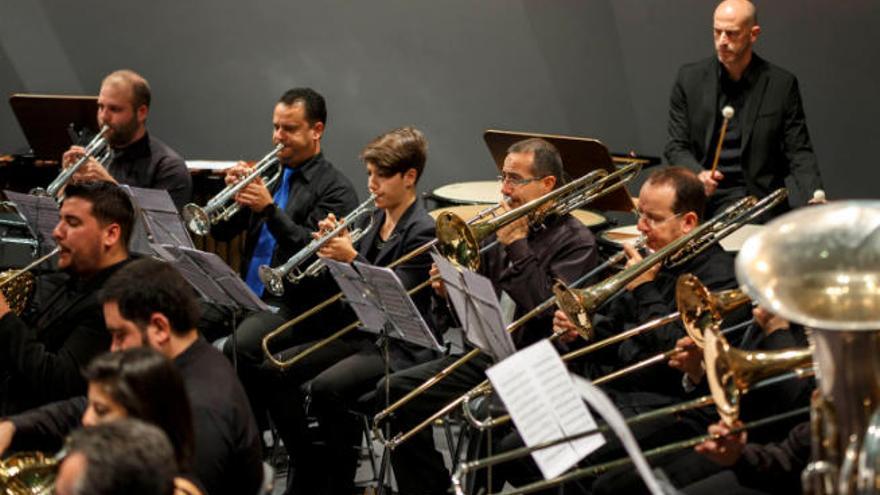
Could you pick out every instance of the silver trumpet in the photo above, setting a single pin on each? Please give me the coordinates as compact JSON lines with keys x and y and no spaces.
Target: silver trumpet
{"x":273,"y":278}
{"x":97,"y":149}
{"x":223,"y":206}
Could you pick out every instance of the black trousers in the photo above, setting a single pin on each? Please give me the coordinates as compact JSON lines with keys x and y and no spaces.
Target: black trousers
{"x":418,"y":466}
{"x":332,"y":380}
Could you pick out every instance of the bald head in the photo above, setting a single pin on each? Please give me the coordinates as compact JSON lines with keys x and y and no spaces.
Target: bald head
{"x":738,"y":10}
{"x":131,"y":82}
{"x":735,"y":27}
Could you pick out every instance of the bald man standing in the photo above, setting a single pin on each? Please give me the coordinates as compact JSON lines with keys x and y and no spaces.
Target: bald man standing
{"x":137,"y":159}
{"x":766,"y":145}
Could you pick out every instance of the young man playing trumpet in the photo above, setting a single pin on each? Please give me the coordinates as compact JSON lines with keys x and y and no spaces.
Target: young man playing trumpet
{"x":524,"y":265}
{"x":340,"y":372}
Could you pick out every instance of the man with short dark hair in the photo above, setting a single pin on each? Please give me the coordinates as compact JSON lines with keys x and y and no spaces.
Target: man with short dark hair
{"x":138,"y":159}
{"x":523,"y":265}
{"x":148,"y":303}
{"x":123,"y":456}
{"x":767,"y":145}
{"x":41,"y":354}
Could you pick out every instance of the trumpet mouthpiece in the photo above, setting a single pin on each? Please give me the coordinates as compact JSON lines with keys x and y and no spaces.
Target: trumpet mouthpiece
{"x":727,"y":112}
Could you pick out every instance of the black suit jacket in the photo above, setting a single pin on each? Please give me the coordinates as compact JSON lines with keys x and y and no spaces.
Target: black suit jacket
{"x":776,"y":148}
{"x":41,"y":357}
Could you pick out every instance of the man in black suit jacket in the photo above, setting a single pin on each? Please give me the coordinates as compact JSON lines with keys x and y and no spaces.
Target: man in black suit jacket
{"x":766,"y":145}
{"x":42,"y":353}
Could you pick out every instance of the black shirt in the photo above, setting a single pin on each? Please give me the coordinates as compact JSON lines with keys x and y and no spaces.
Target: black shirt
{"x":150,"y":163}
{"x":41,"y":355}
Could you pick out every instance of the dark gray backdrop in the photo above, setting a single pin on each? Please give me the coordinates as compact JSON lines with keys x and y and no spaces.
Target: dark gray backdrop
{"x":452,"y":68}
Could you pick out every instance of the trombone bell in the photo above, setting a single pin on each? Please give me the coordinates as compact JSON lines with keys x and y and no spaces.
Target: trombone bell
{"x":456,"y":241}
{"x":700,"y":308}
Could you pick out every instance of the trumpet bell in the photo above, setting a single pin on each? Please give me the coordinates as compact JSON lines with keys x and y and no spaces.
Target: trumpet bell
{"x":273,"y":280}
{"x":456,"y":241}
{"x":196,"y":219}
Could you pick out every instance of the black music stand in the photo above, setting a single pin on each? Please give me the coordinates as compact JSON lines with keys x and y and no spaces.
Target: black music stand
{"x":156,"y":221}
{"x":580,"y":156}
{"x":47,"y":120}
{"x":41,"y":213}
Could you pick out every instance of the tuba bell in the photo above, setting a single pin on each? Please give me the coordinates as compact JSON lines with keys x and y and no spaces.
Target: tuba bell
{"x":820,"y":267}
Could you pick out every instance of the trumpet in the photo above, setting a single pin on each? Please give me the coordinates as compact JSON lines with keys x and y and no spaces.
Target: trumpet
{"x":223,"y":206}
{"x":18,"y":284}
{"x":460,"y":243}
{"x":273,"y":278}
{"x":581,"y":305}
{"x":97,"y":148}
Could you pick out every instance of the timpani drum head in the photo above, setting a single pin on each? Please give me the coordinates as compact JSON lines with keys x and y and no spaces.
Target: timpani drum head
{"x":467,"y":193}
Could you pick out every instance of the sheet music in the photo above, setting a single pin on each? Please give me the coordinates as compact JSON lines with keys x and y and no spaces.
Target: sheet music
{"x":476,"y":305}
{"x":488,"y":311}
{"x":399,"y":308}
{"x":603,"y":405}
{"x":358,"y":295}
{"x":541,"y":399}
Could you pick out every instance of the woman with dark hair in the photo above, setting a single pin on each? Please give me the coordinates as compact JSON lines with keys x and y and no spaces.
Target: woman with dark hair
{"x":141,"y":383}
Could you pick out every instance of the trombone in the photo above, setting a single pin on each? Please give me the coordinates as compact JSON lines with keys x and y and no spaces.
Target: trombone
{"x":97,"y":148}
{"x":273,"y":278}
{"x":223,"y":206}
{"x":460,"y":241}
{"x":579,"y":306}
{"x":698,"y":239}
{"x":742,"y":372}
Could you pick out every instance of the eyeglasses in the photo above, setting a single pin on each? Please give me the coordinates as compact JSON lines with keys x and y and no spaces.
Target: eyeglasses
{"x":652,"y":222}
{"x":516,"y":181}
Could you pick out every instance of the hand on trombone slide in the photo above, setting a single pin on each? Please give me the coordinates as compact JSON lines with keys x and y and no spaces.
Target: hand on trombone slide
{"x":92,"y":170}
{"x":724,"y":448}
{"x":341,"y":247}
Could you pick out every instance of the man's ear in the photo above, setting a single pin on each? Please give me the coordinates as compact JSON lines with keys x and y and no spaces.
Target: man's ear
{"x":689,"y":221}
{"x":548,"y":182}
{"x":142,"y":112}
{"x":161,"y":327}
{"x":112,"y":234}
{"x":410,"y":177}
{"x":318,"y":130}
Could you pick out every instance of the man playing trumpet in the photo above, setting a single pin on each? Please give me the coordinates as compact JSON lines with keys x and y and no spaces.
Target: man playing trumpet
{"x":137,"y":158}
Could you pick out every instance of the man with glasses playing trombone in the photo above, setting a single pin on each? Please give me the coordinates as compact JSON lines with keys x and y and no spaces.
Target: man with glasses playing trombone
{"x":523,"y":266}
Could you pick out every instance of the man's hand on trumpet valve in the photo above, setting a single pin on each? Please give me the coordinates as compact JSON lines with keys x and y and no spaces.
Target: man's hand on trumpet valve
{"x":563,"y":326}
{"x":689,"y":360}
{"x":339,"y":248}
{"x":255,"y":196}
{"x":633,"y":258}
{"x":710,"y":180}
{"x":89,"y":171}
{"x":726,"y":449}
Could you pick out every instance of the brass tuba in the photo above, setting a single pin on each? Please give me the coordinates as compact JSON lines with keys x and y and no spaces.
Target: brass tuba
{"x":820,"y":266}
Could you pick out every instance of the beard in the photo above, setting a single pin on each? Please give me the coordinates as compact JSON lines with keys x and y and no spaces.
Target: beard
{"x":121,"y":135}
